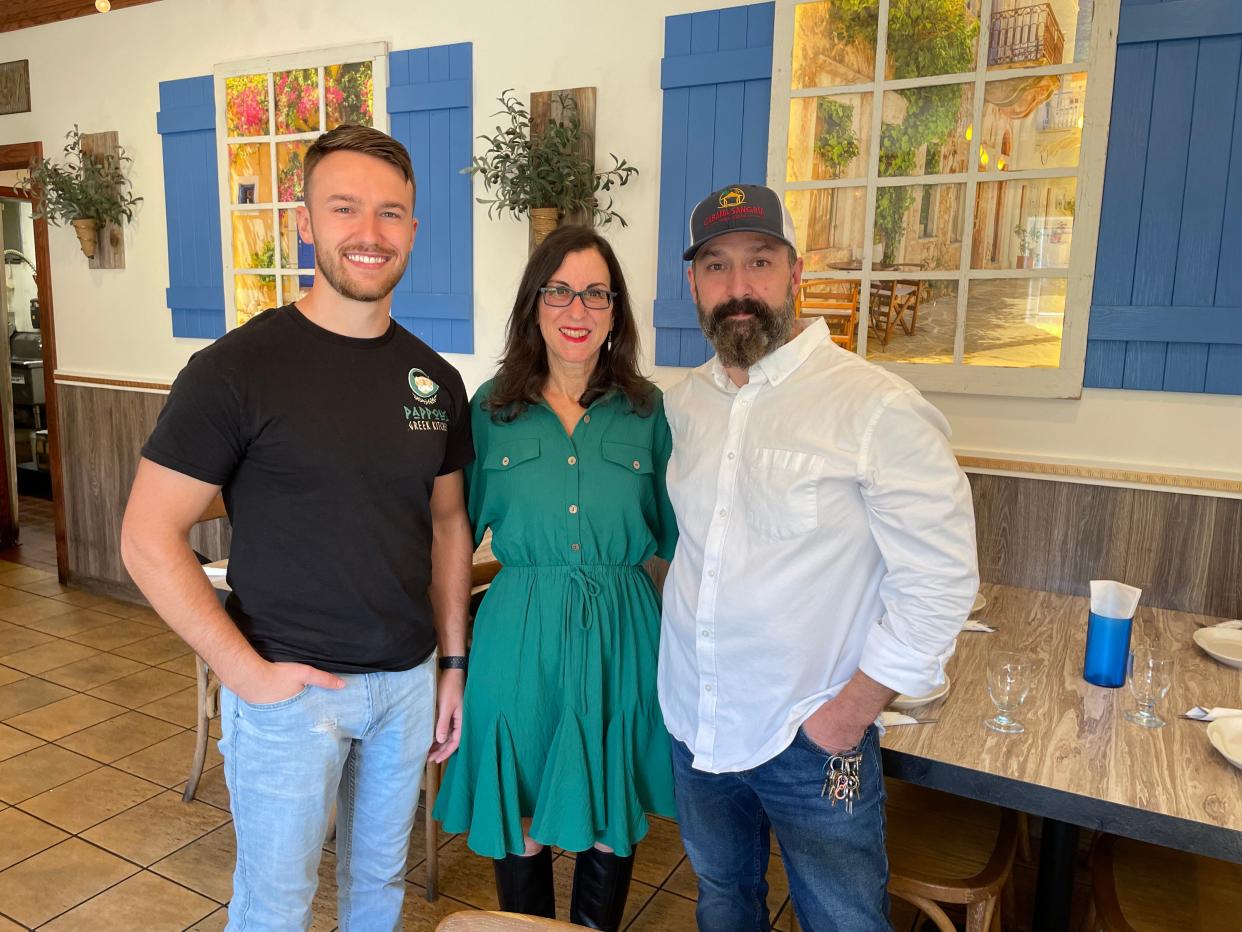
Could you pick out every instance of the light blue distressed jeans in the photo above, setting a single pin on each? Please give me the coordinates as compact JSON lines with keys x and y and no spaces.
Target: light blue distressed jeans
{"x":364,"y":745}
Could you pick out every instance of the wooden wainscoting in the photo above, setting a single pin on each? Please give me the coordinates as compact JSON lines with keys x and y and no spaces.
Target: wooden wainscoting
{"x":103,"y":430}
{"x":1183,"y":550}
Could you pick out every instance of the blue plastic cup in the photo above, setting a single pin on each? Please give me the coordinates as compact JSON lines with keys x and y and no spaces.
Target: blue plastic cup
{"x":1108,"y":650}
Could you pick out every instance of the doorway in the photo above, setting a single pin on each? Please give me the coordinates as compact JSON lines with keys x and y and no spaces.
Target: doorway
{"x":32,"y":514}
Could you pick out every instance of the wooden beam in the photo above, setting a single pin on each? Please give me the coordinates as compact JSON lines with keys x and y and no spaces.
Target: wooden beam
{"x":545,"y":108}
{"x":23,"y":14}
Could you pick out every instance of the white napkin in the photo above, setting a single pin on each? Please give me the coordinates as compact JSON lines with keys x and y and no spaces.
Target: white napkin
{"x":1236,"y":623}
{"x":977,"y":626}
{"x":1200,"y":714}
{"x":888,"y":718}
{"x":1113,"y":599}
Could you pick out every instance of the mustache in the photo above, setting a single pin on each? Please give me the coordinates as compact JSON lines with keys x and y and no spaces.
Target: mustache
{"x":734,"y":306}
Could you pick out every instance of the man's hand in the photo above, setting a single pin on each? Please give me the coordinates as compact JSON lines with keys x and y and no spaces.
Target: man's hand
{"x":276,"y":682}
{"x":448,"y":715}
{"x":840,"y":723}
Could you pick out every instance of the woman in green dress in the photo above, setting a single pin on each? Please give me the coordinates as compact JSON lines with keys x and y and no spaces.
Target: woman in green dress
{"x":562,"y":740}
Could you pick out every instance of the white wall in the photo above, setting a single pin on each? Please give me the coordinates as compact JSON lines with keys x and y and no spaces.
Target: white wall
{"x":102,"y":72}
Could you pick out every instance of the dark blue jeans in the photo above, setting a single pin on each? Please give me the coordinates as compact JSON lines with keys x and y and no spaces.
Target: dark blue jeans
{"x":836,"y":860}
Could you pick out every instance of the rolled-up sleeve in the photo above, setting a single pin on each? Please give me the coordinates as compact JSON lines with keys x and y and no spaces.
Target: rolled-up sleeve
{"x":922,"y":519}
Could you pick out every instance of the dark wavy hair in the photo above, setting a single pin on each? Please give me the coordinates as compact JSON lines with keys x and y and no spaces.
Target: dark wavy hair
{"x":523,"y":371}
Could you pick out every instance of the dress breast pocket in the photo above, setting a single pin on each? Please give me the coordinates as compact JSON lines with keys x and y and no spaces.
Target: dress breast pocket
{"x":508,"y":455}
{"x":629,"y":458}
{"x":781,"y":492}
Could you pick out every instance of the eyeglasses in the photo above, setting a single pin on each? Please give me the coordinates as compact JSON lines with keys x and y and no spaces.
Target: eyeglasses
{"x":595,"y":299}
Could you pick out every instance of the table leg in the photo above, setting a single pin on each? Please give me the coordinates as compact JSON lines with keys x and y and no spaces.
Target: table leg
{"x":1054,"y":887}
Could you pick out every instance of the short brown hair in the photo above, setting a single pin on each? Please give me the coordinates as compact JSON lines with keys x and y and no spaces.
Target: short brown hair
{"x":353,"y":137}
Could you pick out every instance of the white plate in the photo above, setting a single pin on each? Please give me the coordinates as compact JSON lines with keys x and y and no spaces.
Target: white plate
{"x":980,"y":602}
{"x":906,"y":703}
{"x":1224,"y":644}
{"x":1226,"y":736}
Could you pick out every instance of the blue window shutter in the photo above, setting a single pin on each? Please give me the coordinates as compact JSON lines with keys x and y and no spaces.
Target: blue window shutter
{"x":187,"y":127}
{"x":1166,"y":310}
{"x":717,"y":80}
{"x":429,"y":105}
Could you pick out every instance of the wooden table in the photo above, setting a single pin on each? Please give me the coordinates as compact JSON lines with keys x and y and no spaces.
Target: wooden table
{"x":1079,"y":763}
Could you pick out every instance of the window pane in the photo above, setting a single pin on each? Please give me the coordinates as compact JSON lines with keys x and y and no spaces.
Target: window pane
{"x":296,"y":286}
{"x":1024,"y":224}
{"x":829,"y":137}
{"x":250,"y":173}
{"x":925,"y":130}
{"x":1014,"y":322}
{"x":289,"y":156}
{"x":254,"y":245}
{"x":246,"y":105}
{"x":253,"y":294}
{"x":1024,"y":34}
{"x":928,"y":37}
{"x":1032,"y":122}
{"x":828,"y":223}
{"x":834,"y":43}
{"x":919,"y":226}
{"x":912,"y":320}
{"x":297,"y":100}
{"x":348,"y":94}
{"x":294,"y":252}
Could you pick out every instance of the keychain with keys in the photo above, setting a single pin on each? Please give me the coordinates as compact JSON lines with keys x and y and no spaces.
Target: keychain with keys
{"x":841,"y":780}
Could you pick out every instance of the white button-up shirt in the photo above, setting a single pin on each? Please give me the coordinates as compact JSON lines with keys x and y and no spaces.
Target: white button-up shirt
{"x":825,"y":527}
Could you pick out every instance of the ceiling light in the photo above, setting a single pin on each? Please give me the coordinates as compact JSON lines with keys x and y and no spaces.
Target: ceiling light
{"x":103,"y":6}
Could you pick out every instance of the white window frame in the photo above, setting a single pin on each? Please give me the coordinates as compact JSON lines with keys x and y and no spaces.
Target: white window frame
{"x":1064,"y":381}
{"x":376,"y":52}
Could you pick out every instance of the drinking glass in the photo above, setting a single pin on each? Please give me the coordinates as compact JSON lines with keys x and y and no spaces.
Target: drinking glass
{"x":1009,"y":680}
{"x":1151,"y":675}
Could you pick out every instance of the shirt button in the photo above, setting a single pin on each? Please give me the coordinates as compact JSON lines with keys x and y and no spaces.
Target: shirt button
{"x":711,"y":572}
{"x":575,"y":546}
{"x":573,"y":461}
{"x":723,"y":512}
{"x":573,"y":509}
{"x":706,"y":633}
{"x":636,"y":464}
{"x":586,"y":419}
{"x":732,"y":454}
{"x":707,"y":688}
{"x":505,"y":461}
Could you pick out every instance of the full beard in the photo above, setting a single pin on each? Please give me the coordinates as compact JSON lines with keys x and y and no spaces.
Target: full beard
{"x":333,"y":267}
{"x":742,"y":342}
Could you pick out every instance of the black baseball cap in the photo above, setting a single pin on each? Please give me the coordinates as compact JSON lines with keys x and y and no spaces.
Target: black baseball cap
{"x":739,"y":208}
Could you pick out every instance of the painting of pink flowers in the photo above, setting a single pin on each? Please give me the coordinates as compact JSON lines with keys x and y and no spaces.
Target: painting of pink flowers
{"x":246,"y":105}
{"x":297,"y":101}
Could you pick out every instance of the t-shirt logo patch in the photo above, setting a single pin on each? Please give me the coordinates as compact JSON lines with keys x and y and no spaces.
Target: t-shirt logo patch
{"x":422,"y":386}
{"x":424,"y":416}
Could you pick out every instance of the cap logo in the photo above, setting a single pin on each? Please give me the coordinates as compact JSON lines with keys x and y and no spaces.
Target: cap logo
{"x":733,"y":197}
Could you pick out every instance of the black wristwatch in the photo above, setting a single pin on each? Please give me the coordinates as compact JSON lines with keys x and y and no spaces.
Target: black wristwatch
{"x":453,"y":663}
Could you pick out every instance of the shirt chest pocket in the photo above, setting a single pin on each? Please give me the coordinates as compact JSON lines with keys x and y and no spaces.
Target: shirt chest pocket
{"x":634,"y":459}
{"x":520,"y":454}
{"x":781,"y":492}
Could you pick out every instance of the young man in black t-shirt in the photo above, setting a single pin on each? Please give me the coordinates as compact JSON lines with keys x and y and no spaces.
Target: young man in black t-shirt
{"x":338,"y":439}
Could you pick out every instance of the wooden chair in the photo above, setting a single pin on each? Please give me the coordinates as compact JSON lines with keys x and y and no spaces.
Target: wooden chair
{"x":481,"y":576}
{"x":475,"y":921}
{"x":944,"y":849}
{"x":1137,"y":887}
{"x":208,"y":686}
{"x":835,"y":300}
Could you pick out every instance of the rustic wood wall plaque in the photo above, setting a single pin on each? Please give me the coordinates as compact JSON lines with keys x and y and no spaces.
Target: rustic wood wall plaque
{"x":15,"y":86}
{"x":110,"y":253}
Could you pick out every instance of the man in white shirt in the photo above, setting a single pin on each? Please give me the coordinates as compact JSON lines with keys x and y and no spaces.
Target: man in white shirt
{"x":826,"y":563}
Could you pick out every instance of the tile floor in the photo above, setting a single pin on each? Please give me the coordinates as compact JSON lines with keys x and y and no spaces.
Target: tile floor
{"x":97,"y":704}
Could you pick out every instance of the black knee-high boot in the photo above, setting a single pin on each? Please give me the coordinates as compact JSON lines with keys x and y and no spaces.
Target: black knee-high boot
{"x":524,"y":884}
{"x":601,"y":884}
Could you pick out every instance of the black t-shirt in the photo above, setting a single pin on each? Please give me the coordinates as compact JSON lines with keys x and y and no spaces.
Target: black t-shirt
{"x":326,"y":447}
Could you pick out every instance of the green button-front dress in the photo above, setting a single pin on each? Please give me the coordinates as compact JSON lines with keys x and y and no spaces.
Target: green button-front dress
{"x":562,"y":723}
